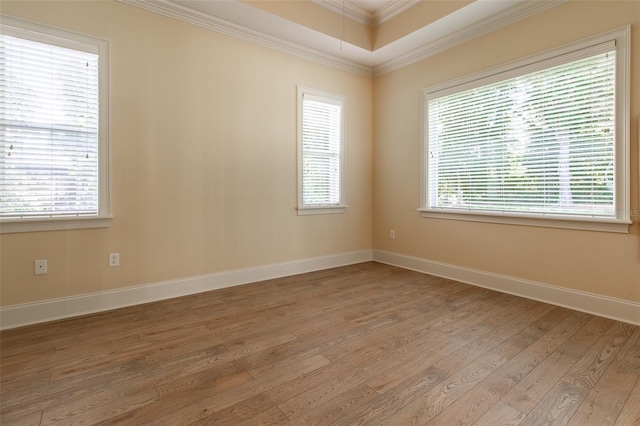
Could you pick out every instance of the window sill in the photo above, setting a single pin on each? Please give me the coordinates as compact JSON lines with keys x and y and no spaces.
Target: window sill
{"x":304,"y":211}
{"x":563,"y":222}
{"x":40,"y":224}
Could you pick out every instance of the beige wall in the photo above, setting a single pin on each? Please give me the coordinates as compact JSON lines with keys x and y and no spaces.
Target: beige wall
{"x":203,"y":157}
{"x":601,"y":263}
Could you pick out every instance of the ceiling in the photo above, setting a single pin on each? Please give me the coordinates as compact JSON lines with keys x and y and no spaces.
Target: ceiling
{"x":370,"y":6}
{"x":369,"y":12}
{"x":366,"y":37}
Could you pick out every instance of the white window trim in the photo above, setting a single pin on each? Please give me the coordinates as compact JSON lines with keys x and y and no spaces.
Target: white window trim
{"x":50,"y":35}
{"x":328,"y":208}
{"x":622,"y":149}
{"x":304,"y":210}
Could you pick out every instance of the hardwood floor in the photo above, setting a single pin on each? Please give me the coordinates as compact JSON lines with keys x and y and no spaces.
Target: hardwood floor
{"x":364,"y":344}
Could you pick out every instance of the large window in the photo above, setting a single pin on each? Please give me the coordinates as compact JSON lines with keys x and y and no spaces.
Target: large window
{"x":545,"y":139}
{"x":320,"y":152}
{"x":53,"y":141}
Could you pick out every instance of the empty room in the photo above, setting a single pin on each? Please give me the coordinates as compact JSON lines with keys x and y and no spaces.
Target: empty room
{"x":319,"y":212}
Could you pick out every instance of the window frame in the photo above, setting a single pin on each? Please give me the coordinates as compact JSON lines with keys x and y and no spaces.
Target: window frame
{"x":44,"y":34}
{"x":621,"y":223}
{"x":341,"y":206}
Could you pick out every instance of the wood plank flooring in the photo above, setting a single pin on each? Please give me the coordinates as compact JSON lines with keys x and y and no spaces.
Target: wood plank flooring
{"x":366,"y":344}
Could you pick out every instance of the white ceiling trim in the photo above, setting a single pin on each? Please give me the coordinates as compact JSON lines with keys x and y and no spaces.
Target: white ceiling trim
{"x":264,"y":29}
{"x":392,"y":9}
{"x":219,"y":25}
{"x":350,"y":10}
{"x":485,"y":26}
{"x":354,"y":12}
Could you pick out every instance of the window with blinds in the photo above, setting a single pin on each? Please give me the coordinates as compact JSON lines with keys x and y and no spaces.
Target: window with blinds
{"x":539,"y":139}
{"x":50,"y":134}
{"x":320,"y":151}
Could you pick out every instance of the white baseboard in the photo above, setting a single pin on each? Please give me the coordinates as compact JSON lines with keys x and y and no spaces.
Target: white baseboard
{"x":608,"y":307}
{"x":66,"y":307}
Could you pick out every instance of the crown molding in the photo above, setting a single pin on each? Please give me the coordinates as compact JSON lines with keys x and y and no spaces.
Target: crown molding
{"x":219,"y":25}
{"x":349,"y":10}
{"x":415,"y":47}
{"x":480,"y":28}
{"x":391,"y":9}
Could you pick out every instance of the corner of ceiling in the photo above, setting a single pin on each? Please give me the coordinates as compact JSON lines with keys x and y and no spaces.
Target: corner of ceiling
{"x":354,"y":60}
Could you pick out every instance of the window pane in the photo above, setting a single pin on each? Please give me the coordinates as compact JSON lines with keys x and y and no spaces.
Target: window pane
{"x":540,"y":143}
{"x":321,"y":132}
{"x":48,"y":129}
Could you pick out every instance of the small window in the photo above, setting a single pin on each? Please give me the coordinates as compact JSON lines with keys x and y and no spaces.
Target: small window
{"x":544,"y":142}
{"x":53,"y":129}
{"x":320,"y":152}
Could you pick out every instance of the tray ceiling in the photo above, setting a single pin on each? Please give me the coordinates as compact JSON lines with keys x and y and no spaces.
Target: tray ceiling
{"x":367,"y":37}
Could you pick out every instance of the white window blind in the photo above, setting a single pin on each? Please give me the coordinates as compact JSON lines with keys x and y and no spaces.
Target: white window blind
{"x":540,"y":142}
{"x":321,"y":150}
{"x":49,"y":130}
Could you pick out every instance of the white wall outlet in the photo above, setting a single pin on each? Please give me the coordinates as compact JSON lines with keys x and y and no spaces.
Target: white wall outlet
{"x":114,"y":259}
{"x":392,"y":234}
{"x":40,"y":267}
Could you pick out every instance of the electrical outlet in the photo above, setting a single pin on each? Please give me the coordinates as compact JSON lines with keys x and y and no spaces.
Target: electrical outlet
{"x":40,"y":267}
{"x":392,"y":234}
{"x":114,"y":259}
